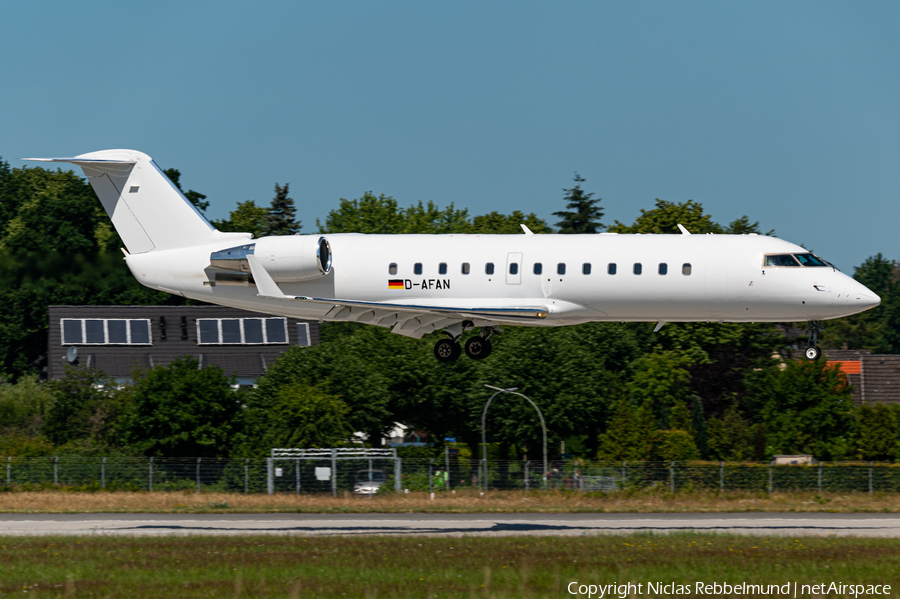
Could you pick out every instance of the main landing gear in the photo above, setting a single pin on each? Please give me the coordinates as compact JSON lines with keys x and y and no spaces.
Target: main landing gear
{"x":477,"y":348}
{"x":813,"y":328}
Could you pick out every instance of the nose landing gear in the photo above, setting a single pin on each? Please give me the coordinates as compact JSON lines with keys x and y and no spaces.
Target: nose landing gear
{"x":813,"y":328}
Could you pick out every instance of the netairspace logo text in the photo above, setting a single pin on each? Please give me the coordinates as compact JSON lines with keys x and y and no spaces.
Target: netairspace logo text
{"x":789,"y":589}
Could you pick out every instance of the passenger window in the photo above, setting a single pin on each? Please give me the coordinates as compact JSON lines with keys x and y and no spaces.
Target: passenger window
{"x":417,"y":268}
{"x":686,"y":269}
{"x":561,"y":268}
{"x":663,"y":268}
{"x":442,"y":268}
{"x":392,"y":269}
{"x":513,"y":268}
{"x":781,"y":260}
{"x":489,"y":268}
{"x":465,"y":268}
{"x":611,"y":268}
{"x":586,"y":268}
{"x":638,"y":268}
{"x":538,"y":268}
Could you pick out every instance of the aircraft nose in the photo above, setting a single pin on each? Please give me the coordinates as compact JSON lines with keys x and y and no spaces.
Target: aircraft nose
{"x":864,"y":297}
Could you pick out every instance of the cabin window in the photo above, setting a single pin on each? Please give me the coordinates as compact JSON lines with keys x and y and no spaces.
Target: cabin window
{"x":663,"y":268}
{"x":686,"y":269}
{"x":442,"y":268}
{"x":611,"y":268}
{"x":489,"y":268}
{"x":417,"y":268}
{"x":392,"y":269}
{"x":638,"y":269}
{"x":780,"y":260}
{"x":561,"y":268}
{"x":538,"y":268}
{"x":513,"y":268}
{"x":465,"y":268}
{"x":586,"y":268}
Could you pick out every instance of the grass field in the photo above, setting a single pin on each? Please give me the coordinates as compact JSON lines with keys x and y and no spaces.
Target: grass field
{"x":344,"y":567}
{"x":462,"y":502}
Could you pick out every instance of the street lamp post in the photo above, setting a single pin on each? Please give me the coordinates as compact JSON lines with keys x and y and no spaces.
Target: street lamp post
{"x":512,"y":391}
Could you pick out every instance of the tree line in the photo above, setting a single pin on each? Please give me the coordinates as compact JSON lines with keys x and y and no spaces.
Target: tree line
{"x":609,"y":390}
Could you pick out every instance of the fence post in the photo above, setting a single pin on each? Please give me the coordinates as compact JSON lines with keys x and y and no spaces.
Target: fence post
{"x":150,"y":475}
{"x":870,"y":478}
{"x":447,"y":466}
{"x":334,"y":472}
{"x":820,"y":477}
{"x":56,"y":470}
{"x":297,"y":475}
{"x":484,"y":470}
{"x":526,"y":474}
{"x":270,"y":476}
{"x":624,"y":472}
{"x":722,"y":477}
{"x":770,"y":477}
{"x":672,"y":477}
{"x":198,"y":474}
{"x":246,"y":475}
{"x":103,"y":473}
{"x":398,"y":472}
{"x":9,"y":471}
{"x":430,"y":465}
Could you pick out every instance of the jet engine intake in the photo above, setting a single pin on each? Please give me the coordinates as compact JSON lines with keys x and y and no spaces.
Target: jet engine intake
{"x":287,"y":259}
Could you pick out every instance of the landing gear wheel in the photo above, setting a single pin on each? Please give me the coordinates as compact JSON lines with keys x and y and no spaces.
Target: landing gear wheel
{"x":478,"y":348}
{"x":447,"y":350}
{"x":813,"y":353}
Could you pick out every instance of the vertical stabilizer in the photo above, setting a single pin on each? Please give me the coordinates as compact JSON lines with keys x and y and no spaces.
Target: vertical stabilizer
{"x":145,"y":207}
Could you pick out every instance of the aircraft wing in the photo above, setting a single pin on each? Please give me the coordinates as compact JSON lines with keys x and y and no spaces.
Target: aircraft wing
{"x":409,"y":319}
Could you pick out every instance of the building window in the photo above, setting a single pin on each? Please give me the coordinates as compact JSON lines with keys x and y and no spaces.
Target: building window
{"x":538,"y":268}
{"x":417,"y":268}
{"x":586,"y":268}
{"x":513,"y":268}
{"x":561,"y":268}
{"x":638,"y":269}
{"x":392,"y":269}
{"x":611,"y":268}
{"x":442,"y":268}
{"x":686,"y":269}
{"x":489,"y":268}
{"x":303,"y":337}
{"x":106,"y":331}
{"x":241,"y":331}
{"x":663,"y":268}
{"x":465,"y":268}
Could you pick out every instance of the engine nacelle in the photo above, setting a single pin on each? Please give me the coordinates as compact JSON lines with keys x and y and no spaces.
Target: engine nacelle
{"x":287,"y":259}
{"x":294,"y":257}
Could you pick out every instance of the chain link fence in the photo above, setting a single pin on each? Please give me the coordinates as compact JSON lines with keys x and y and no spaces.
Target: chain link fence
{"x":367,"y":476}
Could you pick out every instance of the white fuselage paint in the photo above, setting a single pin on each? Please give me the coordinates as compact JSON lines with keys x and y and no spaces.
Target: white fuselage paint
{"x":727,"y":280}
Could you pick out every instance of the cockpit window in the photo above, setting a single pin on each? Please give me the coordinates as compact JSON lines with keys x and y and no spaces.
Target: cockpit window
{"x":810,"y":260}
{"x":780,"y":260}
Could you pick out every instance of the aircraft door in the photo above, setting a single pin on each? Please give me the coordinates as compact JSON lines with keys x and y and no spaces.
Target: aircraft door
{"x":514,"y":268}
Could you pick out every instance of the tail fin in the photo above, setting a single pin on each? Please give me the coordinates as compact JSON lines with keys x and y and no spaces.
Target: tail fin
{"x":146,"y":208}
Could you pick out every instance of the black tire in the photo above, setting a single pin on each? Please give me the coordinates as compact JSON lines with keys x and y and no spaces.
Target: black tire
{"x":478,"y":348}
{"x":446,"y":350}
{"x":813,"y":353}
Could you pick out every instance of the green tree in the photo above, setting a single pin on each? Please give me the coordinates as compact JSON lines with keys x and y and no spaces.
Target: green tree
{"x":680,"y":417}
{"x":195,"y":197}
{"x":662,"y":380}
{"x":877,"y":433}
{"x":583,"y":214}
{"x":730,"y":437}
{"x":382,"y":215}
{"x":806,"y":408}
{"x":84,"y":407}
{"x":494,"y":223}
{"x":280,"y":218}
{"x":676,"y":445}
{"x":666,"y":217}
{"x":304,"y":416}
{"x":246,"y":218}
{"x":23,"y":406}
{"x":182,"y":410}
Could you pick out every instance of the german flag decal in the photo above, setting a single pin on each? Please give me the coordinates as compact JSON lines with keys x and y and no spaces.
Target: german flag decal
{"x":395,"y":284}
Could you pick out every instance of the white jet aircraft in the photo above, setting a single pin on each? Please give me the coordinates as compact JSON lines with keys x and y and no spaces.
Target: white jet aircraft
{"x":418,"y":284}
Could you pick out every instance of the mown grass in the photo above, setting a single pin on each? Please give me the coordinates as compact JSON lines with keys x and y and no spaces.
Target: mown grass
{"x":342,"y":567}
{"x":631,"y":501}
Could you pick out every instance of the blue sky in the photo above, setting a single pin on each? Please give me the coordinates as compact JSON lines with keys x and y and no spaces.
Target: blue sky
{"x":786,"y":112}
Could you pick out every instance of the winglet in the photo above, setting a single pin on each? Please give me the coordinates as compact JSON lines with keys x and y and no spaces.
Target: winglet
{"x":526,"y":229}
{"x":265,"y":284}
{"x":683,"y":230}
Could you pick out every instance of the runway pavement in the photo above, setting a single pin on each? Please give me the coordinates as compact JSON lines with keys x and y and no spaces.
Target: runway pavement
{"x":823,"y":524}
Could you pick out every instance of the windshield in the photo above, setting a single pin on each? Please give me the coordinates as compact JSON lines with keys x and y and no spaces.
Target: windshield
{"x":810,"y":260}
{"x":781,"y":260}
